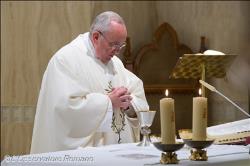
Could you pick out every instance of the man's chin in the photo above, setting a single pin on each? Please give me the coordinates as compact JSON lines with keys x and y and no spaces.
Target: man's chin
{"x":106,"y":60}
{"x":110,"y":57}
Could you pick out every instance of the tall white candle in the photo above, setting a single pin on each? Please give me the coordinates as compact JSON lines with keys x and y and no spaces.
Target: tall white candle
{"x":167,"y":120}
{"x":199,"y":118}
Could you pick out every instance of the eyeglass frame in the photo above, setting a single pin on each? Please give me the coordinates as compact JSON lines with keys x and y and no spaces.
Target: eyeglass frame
{"x":113,"y":45}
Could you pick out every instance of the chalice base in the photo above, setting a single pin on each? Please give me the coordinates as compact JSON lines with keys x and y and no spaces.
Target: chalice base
{"x":145,"y":141}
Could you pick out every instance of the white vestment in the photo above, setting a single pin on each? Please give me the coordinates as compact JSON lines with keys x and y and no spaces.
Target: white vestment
{"x":73,"y":102}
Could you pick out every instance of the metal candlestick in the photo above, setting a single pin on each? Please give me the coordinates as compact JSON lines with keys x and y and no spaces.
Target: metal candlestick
{"x":198,"y":153}
{"x":168,"y":155}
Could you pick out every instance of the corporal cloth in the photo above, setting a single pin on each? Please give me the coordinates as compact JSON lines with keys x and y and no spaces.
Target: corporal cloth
{"x":73,"y":102}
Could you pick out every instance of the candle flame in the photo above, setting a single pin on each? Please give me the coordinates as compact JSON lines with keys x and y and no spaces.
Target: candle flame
{"x":199,"y":91}
{"x":166,"y":92}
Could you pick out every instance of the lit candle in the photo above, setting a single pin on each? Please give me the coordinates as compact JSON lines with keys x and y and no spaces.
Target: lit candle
{"x":167,"y":120}
{"x":199,"y":118}
{"x":199,"y":91}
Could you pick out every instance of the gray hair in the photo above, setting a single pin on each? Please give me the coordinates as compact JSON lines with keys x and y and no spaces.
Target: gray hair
{"x":102,"y":21}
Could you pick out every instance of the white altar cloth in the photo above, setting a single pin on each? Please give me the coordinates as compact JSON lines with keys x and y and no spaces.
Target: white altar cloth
{"x":131,"y":155}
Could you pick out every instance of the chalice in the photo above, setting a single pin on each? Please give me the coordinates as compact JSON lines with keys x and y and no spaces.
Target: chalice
{"x":146,"y":119}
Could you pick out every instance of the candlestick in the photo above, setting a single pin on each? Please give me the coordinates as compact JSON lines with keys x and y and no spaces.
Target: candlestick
{"x":199,"y":118}
{"x":167,"y":120}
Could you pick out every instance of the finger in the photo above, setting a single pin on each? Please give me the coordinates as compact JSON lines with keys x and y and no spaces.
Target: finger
{"x":123,"y":88}
{"x":126,"y":98}
{"x":128,"y":93}
{"x":125,"y":105}
{"x":121,"y":92}
{"x":114,"y":89}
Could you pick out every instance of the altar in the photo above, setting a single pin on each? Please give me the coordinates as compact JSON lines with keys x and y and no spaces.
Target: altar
{"x":132,"y":155}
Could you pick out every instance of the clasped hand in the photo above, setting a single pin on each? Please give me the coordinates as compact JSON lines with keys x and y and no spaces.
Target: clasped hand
{"x":120,"y":98}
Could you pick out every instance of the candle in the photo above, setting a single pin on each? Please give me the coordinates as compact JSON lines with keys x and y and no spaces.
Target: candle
{"x":167,"y":120}
{"x":199,"y":118}
{"x":199,"y":91}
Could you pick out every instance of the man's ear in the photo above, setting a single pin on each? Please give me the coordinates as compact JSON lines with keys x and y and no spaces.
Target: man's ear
{"x":95,"y":36}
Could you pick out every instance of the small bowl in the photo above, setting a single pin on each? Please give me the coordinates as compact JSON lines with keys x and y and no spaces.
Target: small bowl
{"x":198,"y":144}
{"x":168,"y":147}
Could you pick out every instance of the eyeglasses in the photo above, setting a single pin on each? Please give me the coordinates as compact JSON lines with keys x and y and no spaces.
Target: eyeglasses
{"x":113,"y":45}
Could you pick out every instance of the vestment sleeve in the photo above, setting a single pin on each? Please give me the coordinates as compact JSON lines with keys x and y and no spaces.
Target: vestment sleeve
{"x":75,"y":112}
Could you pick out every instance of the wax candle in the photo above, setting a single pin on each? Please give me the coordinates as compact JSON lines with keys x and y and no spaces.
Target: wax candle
{"x":199,"y":118}
{"x":167,"y":120}
{"x":199,"y":91}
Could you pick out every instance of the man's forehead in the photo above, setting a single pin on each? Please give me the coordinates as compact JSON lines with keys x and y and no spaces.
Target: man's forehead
{"x":117,"y":32}
{"x":117,"y":25}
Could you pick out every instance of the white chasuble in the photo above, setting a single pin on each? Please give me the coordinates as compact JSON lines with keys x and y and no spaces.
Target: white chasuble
{"x":73,"y":102}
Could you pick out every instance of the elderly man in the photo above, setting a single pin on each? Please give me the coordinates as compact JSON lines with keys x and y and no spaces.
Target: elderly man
{"x":87,"y":97}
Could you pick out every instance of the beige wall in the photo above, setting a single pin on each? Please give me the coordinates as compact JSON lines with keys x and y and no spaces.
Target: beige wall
{"x":226,"y":26}
{"x":31,"y":32}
